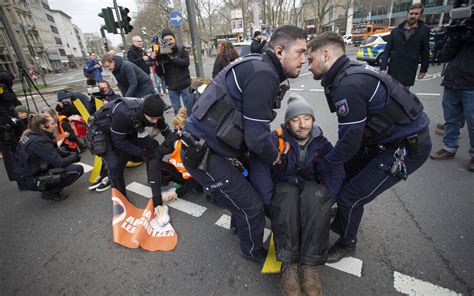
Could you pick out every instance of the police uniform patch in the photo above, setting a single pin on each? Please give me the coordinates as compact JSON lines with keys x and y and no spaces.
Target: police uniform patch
{"x":342,"y":108}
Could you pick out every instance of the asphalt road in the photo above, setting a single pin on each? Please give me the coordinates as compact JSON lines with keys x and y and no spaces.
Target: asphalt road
{"x":415,"y":238}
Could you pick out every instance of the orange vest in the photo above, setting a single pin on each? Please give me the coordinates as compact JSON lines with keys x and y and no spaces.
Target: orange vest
{"x":281,"y":141}
{"x":175,"y":160}
{"x":69,"y":143}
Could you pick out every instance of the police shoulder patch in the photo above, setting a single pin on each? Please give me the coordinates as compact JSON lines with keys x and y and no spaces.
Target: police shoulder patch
{"x":342,"y":108}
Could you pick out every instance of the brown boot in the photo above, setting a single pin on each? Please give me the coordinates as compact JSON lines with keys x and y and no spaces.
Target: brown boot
{"x":290,"y":280}
{"x":310,"y":280}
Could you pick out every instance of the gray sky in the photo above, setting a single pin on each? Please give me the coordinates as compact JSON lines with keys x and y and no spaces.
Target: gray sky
{"x":84,"y":14}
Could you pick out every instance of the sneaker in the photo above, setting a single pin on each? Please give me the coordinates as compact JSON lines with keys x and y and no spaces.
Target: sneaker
{"x":259,"y":257}
{"x":310,"y":280}
{"x":470,"y":167}
{"x":96,"y":183}
{"x":104,"y":185}
{"x":442,"y":154}
{"x":168,"y":108}
{"x":169,"y":195}
{"x":341,"y":250}
{"x":161,"y":215}
{"x":290,"y":280}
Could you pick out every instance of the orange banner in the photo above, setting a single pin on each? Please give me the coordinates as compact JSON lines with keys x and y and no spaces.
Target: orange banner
{"x":133,"y":227}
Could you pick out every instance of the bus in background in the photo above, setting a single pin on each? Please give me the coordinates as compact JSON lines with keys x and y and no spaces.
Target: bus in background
{"x":363,"y":31}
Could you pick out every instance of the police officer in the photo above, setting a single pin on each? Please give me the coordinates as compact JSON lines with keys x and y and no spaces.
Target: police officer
{"x":383,"y":133}
{"x":232,"y":118}
{"x":40,"y":165}
{"x":131,"y":126}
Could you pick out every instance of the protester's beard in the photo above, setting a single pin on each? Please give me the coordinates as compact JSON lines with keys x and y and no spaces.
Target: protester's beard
{"x":300,"y":138}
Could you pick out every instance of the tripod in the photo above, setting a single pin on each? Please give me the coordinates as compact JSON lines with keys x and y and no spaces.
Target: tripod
{"x":26,"y":84}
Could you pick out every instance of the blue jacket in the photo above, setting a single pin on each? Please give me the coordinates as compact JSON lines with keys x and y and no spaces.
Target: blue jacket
{"x":132,"y":81}
{"x":90,"y":68}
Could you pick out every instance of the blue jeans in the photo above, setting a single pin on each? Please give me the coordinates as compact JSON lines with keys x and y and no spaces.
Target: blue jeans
{"x":159,"y":82}
{"x":175,"y":98}
{"x":454,"y":103}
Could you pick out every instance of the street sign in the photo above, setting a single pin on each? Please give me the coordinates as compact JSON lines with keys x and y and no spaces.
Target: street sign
{"x":176,"y":18}
{"x":236,"y":14}
{"x":237,"y":26}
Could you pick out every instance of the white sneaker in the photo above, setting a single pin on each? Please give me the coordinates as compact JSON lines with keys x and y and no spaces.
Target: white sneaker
{"x":96,"y":183}
{"x":161,"y":215}
{"x":169,"y":195}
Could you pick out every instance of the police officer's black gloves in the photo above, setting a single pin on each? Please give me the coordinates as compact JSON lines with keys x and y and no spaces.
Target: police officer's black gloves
{"x":167,"y":146}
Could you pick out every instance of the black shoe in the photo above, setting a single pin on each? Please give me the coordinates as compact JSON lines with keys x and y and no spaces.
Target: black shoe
{"x":96,"y":183}
{"x":341,"y":250}
{"x":259,"y":257}
{"x":58,"y":196}
{"x":104,"y":185}
{"x":233,"y":229}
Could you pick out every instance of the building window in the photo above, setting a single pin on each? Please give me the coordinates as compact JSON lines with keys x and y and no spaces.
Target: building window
{"x":62,"y":52}
{"x":431,"y":3}
{"x":50,"y":18}
{"x":402,"y":6}
{"x":58,"y":41}
{"x":54,"y":29}
{"x":46,"y":6}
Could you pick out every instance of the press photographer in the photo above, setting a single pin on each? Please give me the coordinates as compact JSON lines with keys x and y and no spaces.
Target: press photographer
{"x":458,"y":80}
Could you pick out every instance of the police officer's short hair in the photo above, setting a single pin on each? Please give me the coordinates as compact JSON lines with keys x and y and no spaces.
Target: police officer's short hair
{"x":324,"y":39}
{"x":285,"y":36}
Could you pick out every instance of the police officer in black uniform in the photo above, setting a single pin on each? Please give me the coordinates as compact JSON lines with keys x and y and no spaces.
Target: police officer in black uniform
{"x":383,"y":133}
{"x":40,"y":164}
{"x":131,"y":134}
{"x":10,"y":126}
{"x":231,"y":120}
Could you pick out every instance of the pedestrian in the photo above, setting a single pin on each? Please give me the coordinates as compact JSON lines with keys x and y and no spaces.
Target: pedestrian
{"x":258,"y":42}
{"x":174,"y":68}
{"x":137,"y":55}
{"x":241,"y":99}
{"x":93,"y":69}
{"x":301,"y":204}
{"x":225,"y":56}
{"x":458,"y":94}
{"x":383,"y":133}
{"x":408,"y":44}
{"x":132,"y":81}
{"x":41,"y":165}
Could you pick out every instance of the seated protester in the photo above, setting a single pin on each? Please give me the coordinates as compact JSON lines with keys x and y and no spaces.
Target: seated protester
{"x":301,"y":205}
{"x":130,"y":121}
{"x":106,"y":94}
{"x":174,"y":170}
{"x":40,"y":165}
{"x":66,"y":99}
{"x":64,"y":130}
{"x":23,"y":113}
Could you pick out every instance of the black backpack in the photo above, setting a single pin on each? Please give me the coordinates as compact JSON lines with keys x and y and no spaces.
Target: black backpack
{"x":88,"y":75}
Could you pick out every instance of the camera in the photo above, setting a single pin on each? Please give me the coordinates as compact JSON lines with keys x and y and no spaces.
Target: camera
{"x":161,"y":48}
{"x":462,"y":18}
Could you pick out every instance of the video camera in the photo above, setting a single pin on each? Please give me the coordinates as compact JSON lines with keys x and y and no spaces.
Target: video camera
{"x":462,"y":18}
{"x":161,"y":48}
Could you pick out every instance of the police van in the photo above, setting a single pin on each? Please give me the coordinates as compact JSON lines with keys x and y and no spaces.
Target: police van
{"x":371,"y":49}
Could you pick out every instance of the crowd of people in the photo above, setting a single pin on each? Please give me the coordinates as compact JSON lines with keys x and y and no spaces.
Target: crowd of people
{"x":221,"y":143}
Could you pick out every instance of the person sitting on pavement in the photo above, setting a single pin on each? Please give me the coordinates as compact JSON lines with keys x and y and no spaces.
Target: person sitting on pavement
{"x":302,"y":199}
{"x":23,"y":114}
{"x":65,"y":130}
{"x":40,"y":164}
{"x":65,"y":102}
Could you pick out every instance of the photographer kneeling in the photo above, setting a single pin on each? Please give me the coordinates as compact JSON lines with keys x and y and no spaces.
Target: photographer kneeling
{"x":40,"y":165}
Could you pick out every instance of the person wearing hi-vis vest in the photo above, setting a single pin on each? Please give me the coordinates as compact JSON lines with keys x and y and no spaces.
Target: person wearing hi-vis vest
{"x":64,"y":129}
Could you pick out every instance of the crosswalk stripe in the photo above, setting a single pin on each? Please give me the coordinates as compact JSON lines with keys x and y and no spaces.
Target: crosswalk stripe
{"x":178,"y":204}
{"x":411,"y":286}
{"x":316,"y":89}
{"x":349,"y":265}
{"x":427,"y":94}
{"x":224,"y":222}
{"x":87,"y":168}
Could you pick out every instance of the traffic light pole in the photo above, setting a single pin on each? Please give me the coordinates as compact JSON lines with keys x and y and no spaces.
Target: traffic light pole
{"x":195,"y":38}
{"x":119,"y":19}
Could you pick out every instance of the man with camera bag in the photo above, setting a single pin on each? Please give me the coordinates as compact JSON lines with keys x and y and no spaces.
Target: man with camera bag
{"x":122,"y":130}
{"x":231,"y":120}
{"x":458,"y":82}
{"x":40,"y":164}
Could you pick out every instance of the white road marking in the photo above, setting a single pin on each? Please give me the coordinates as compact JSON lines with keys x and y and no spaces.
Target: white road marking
{"x":427,"y":94}
{"x":304,"y":74}
{"x":224,"y":222}
{"x":178,"y":204}
{"x":316,"y":89}
{"x":349,"y":265}
{"x":411,"y":286}
{"x":295,"y":89}
{"x":87,"y":168}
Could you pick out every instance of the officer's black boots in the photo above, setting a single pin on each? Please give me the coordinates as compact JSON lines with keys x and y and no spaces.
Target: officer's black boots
{"x":340,"y":250}
{"x":57,"y":196}
{"x":258,"y":258}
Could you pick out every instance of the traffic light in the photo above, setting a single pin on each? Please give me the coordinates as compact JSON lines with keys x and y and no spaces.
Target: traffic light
{"x":108,"y":15}
{"x":125,"y":23}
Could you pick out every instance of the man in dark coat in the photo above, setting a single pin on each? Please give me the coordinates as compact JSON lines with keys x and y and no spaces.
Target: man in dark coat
{"x":138,"y":56}
{"x":407,"y":43}
{"x":258,"y":42}
{"x":131,"y":80}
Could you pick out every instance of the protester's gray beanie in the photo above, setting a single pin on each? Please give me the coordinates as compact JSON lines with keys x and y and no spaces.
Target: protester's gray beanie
{"x":297,"y":105}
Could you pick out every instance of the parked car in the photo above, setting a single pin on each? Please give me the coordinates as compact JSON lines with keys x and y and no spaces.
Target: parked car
{"x":242,"y":48}
{"x":347,"y":39}
{"x":371,"y":49}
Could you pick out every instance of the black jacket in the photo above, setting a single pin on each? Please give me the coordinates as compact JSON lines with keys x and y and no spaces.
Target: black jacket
{"x":135,"y":55}
{"x":403,"y":56}
{"x":219,"y":64}
{"x":176,"y":68}
{"x":256,"y":46}
{"x":8,"y":99}
{"x":131,"y":80}
{"x":37,"y":152}
{"x":459,"y":73}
